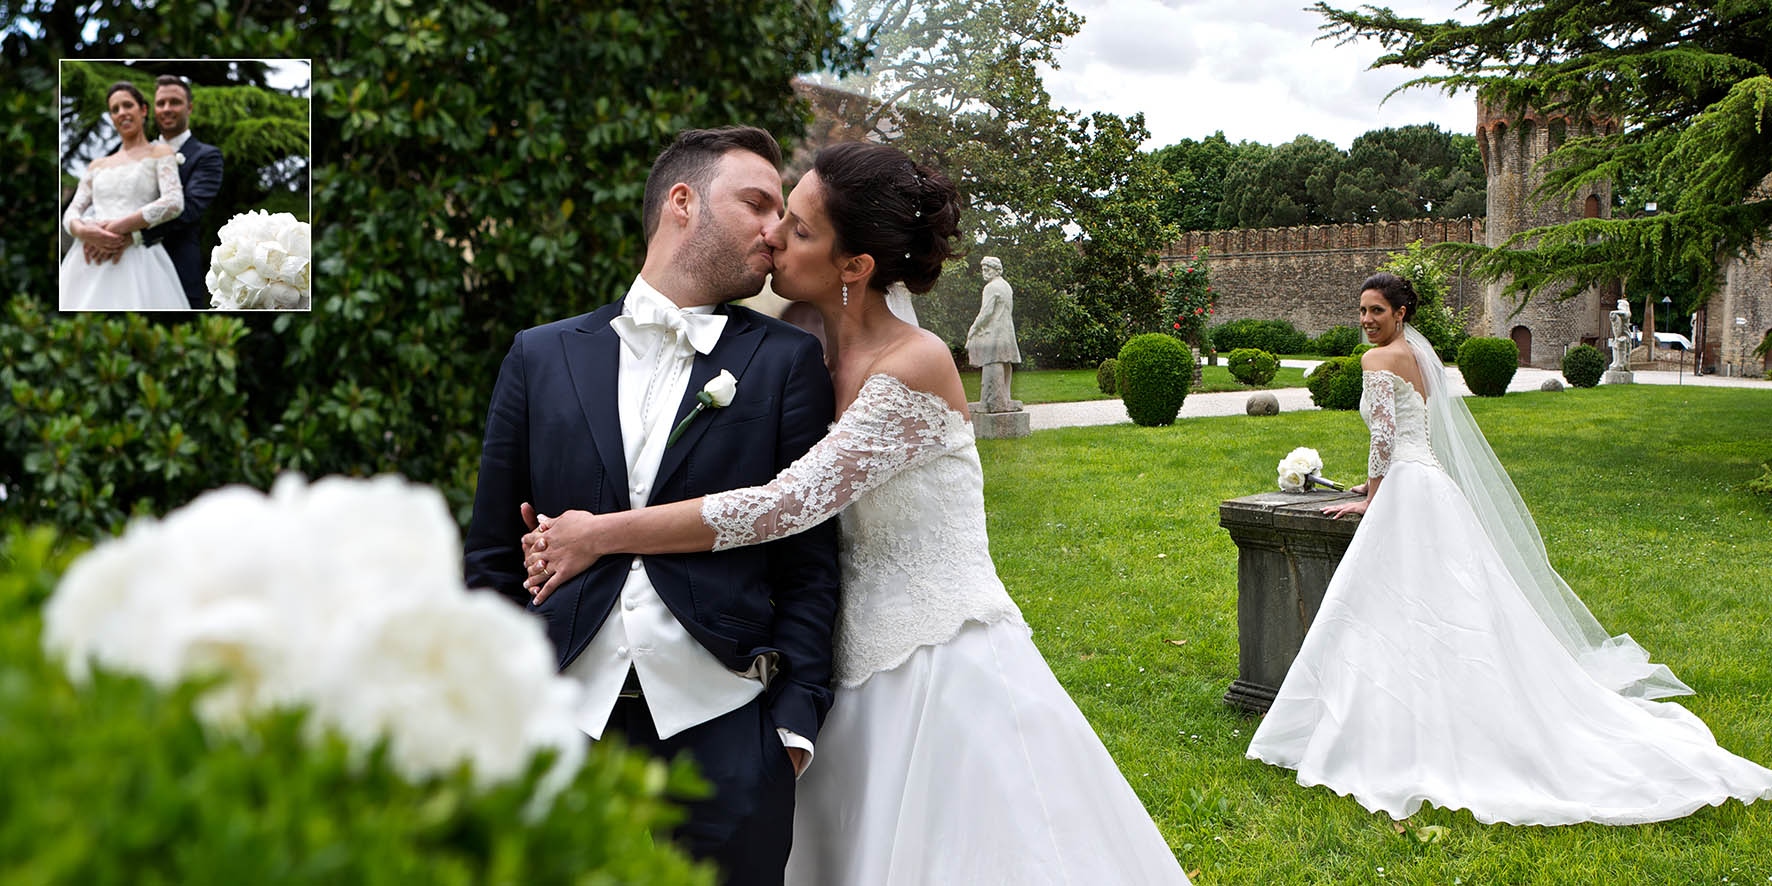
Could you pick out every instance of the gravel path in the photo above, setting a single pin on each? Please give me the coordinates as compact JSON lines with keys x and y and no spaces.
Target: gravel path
{"x":1111,"y":412}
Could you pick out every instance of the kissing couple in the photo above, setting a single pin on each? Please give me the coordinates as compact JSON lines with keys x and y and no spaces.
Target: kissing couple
{"x":658,"y":482}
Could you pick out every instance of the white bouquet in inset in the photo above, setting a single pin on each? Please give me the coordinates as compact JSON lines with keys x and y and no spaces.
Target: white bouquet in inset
{"x":261,"y":263}
{"x":1301,"y":469}
{"x":344,"y":597}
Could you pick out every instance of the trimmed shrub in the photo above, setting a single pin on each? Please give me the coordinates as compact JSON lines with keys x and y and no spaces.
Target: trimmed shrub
{"x":1762,"y":485}
{"x":1583,"y":366}
{"x":1488,"y":364}
{"x":1339,"y":341}
{"x":1153,"y":376}
{"x":1104,"y":376}
{"x":1335,"y":383}
{"x":1272,"y":336}
{"x":1252,"y":366}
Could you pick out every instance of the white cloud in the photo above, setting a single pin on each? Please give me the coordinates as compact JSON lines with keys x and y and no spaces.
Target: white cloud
{"x":1252,"y":68}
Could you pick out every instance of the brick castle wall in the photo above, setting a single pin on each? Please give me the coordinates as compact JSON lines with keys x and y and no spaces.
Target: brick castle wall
{"x":1310,"y":274}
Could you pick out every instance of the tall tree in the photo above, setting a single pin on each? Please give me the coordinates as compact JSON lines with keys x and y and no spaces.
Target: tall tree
{"x":1272,"y":188}
{"x":958,"y":84}
{"x":1691,"y":83}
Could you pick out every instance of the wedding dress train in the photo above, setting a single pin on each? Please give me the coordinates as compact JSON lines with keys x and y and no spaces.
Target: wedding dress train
{"x":1430,"y":673}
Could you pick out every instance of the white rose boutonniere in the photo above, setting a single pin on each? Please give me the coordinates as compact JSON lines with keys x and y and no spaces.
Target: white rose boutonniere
{"x":181,"y":158}
{"x":718,"y":393}
{"x":1300,"y":470}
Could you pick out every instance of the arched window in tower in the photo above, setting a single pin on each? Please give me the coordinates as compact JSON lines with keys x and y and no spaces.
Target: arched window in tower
{"x":1559,"y":133}
{"x":1592,"y":209}
{"x":1528,"y":145}
{"x":1501,"y":150}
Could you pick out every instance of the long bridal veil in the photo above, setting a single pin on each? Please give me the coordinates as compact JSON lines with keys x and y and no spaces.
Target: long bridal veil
{"x":1618,"y":663}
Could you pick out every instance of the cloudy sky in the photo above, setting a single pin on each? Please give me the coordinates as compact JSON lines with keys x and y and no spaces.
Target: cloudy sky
{"x":1248,"y":67}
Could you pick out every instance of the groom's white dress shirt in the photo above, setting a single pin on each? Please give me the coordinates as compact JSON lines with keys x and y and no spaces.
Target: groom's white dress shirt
{"x":177,"y":141}
{"x":682,"y":683}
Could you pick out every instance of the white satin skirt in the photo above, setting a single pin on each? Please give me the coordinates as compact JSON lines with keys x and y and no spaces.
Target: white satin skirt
{"x":968,"y":764}
{"x":1426,"y":676}
{"x":142,"y":279}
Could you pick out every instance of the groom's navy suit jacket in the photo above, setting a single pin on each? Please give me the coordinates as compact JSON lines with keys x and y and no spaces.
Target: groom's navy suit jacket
{"x":553,"y":438}
{"x":201,"y":176}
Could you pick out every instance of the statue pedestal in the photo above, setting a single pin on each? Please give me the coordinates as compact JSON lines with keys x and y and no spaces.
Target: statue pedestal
{"x":1287,"y":550}
{"x":998,"y":425}
{"x":1617,"y":377}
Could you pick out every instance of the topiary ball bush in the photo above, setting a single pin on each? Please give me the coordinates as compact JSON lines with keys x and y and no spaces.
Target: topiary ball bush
{"x":1253,"y":366}
{"x":1583,"y":366}
{"x":1153,"y":376}
{"x":1335,"y":383}
{"x":1488,"y":364}
{"x":1105,"y":376}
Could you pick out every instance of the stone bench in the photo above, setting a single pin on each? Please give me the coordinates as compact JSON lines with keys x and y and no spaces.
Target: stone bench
{"x":1286,"y":552}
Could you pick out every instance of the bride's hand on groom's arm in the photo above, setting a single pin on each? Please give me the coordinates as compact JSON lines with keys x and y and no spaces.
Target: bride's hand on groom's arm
{"x":556,"y":549}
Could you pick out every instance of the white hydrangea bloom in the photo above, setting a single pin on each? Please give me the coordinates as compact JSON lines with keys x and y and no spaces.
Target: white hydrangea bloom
{"x":345,"y":596}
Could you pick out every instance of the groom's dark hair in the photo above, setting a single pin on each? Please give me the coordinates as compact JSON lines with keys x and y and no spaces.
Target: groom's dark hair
{"x":174,"y":80}
{"x":691,"y":159}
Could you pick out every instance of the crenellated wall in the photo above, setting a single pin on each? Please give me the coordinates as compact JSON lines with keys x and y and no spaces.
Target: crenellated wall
{"x":1310,"y":274}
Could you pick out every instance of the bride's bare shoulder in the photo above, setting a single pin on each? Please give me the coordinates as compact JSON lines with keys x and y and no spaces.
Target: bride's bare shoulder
{"x":1398,"y":360}
{"x":922,"y":361}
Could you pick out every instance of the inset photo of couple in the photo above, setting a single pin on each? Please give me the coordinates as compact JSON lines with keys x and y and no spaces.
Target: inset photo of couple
{"x":185,"y":185}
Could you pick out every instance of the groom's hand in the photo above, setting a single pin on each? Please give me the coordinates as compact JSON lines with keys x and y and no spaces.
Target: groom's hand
{"x":558,"y":549}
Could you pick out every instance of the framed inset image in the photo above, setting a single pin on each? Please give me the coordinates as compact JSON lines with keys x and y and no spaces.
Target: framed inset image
{"x":185,"y":184}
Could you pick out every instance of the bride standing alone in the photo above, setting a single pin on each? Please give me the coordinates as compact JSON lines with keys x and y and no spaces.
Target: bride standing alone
{"x":135,"y":188}
{"x":1449,"y":663}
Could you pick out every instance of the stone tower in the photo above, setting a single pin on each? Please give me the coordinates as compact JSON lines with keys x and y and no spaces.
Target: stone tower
{"x":1512,"y":146}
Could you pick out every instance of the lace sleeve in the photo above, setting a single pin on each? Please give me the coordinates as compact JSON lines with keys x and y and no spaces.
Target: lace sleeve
{"x":172,"y":193}
{"x":81,"y":202}
{"x":888,"y":429}
{"x":1380,"y":394}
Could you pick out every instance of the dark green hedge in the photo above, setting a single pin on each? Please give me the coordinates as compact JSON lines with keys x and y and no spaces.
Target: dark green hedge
{"x":1272,"y":336}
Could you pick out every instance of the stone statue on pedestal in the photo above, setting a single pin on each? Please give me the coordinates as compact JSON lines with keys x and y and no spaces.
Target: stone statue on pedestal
{"x":991,"y":346}
{"x":1619,"y":372}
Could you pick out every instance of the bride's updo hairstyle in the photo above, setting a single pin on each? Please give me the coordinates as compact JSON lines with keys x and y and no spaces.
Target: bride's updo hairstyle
{"x":125,"y":86}
{"x":1396,"y":290}
{"x":904,"y":214}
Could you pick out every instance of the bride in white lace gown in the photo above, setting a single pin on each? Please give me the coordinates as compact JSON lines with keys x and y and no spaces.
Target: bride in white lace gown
{"x":951,"y":755}
{"x":135,"y":188}
{"x":1449,"y":664}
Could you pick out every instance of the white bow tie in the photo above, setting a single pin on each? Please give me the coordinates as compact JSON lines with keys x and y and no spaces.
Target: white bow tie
{"x":679,"y":328}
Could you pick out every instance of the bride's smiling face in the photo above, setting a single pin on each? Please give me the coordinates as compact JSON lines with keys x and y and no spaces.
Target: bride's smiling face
{"x":807,"y":263}
{"x":126,"y":113}
{"x":1378,"y":318}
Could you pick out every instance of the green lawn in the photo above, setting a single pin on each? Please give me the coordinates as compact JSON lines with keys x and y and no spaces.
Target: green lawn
{"x":1108,"y":537}
{"x":1072,"y":385}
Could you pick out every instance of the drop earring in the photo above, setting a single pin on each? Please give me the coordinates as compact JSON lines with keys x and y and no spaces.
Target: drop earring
{"x":845,"y":295}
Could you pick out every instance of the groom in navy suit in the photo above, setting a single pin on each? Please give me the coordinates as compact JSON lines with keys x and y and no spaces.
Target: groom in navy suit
{"x":726,"y":656}
{"x":200,"y":171}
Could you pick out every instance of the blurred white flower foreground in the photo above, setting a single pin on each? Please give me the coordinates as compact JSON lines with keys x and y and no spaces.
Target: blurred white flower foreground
{"x":346,"y":596}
